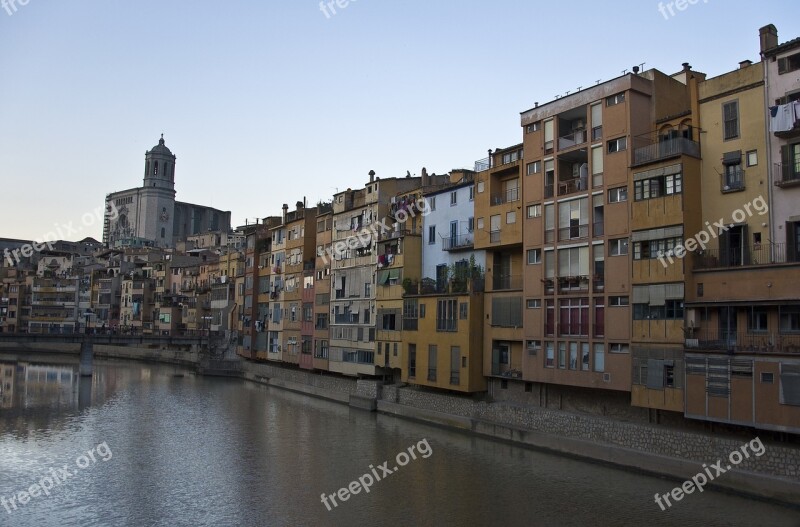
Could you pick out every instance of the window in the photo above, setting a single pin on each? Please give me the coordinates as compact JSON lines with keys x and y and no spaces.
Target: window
{"x":730,"y":117}
{"x":534,"y":168}
{"x":511,"y":157}
{"x":432,"y":234}
{"x":654,"y":248}
{"x":432,"y":203}
{"x":790,"y":319}
{"x":446,"y":315}
{"x":453,"y":198}
{"x":533,"y":127}
{"x":410,"y":314}
{"x":472,"y":192}
{"x":752,"y":158}
{"x":533,"y":346}
{"x":618,"y":247}
{"x":432,"y":359}
{"x":757,"y":320}
{"x":422,"y":311}
{"x":470,"y":224}
{"x":511,"y":217}
{"x":412,"y":360}
{"x":599,"y":357}
{"x":549,"y":357}
{"x":617,"y":195}
{"x":480,"y":187}
{"x":618,"y":301}
{"x":574,"y":316}
{"x":788,"y":64}
{"x":619,"y":348}
{"x":617,"y":145}
{"x":767,"y":377}
{"x":562,"y":355}
{"x":533,"y":303}
{"x":534,"y":211}
{"x":480,"y":223}
{"x":657,"y":187}
{"x":534,"y":256}
{"x":463,"y":310}
{"x":615,"y":99}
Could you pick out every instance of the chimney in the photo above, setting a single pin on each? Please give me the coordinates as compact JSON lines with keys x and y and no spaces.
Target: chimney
{"x":372,"y":176}
{"x":425,"y":180}
{"x":285,"y":211}
{"x":636,"y":70}
{"x":536,"y":105}
{"x":768,"y":36}
{"x":686,"y":66}
{"x":745,"y":63}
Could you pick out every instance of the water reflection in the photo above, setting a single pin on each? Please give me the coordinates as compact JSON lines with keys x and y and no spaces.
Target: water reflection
{"x":196,"y":451}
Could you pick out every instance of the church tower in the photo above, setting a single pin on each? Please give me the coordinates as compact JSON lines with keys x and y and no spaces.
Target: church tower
{"x":158,"y":195}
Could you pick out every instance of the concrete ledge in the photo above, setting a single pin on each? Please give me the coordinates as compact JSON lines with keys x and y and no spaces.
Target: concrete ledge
{"x":363,"y":402}
{"x":306,"y":389}
{"x":425,"y":416}
{"x":738,"y":481}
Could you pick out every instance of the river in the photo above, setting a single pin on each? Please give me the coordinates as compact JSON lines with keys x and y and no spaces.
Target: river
{"x":152,"y":445}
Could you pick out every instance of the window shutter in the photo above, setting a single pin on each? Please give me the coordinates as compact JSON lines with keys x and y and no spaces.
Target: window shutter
{"x":783,"y":65}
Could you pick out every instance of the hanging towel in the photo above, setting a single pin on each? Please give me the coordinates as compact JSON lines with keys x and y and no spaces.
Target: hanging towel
{"x":783,"y":120}
{"x":773,"y":111}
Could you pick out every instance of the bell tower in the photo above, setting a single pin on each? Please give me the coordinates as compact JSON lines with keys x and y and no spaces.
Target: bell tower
{"x":159,"y":167}
{"x":156,"y":215}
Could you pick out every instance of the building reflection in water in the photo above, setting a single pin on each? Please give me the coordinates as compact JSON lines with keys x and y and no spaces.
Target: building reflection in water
{"x":25,"y":385}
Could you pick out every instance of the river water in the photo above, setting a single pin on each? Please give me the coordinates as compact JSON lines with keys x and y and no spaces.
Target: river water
{"x":149,"y":445}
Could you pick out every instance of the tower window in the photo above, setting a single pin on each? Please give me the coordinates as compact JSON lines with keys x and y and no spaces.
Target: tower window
{"x":155,"y":169}
{"x":162,"y":232}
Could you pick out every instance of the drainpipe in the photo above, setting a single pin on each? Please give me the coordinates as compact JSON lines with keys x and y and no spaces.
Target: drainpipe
{"x":770,"y":166}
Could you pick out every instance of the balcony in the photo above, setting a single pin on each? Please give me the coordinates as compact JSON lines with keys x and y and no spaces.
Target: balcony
{"x":743,"y":342}
{"x":506,"y":282}
{"x":458,"y":243}
{"x":754,"y":255}
{"x":483,"y":164}
{"x":392,"y":235}
{"x":510,"y":195}
{"x":572,"y":284}
{"x":732,"y":181}
{"x":666,"y":149}
{"x":574,"y":138}
{"x":787,"y":175}
{"x":574,"y":232}
{"x":573,"y":185}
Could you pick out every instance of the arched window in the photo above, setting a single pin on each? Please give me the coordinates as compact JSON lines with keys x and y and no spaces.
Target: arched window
{"x":146,"y":168}
{"x":155,"y":169}
{"x":162,"y":232}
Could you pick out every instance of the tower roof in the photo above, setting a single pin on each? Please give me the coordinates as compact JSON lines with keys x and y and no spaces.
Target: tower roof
{"x":160,"y":148}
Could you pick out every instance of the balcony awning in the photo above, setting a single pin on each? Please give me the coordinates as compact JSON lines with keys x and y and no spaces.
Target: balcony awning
{"x":741,"y":303}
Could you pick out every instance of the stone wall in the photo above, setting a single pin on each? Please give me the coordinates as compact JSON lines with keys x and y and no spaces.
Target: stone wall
{"x":777,"y":460}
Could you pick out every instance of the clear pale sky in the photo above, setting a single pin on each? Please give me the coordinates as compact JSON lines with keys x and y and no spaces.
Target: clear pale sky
{"x":265,"y":102}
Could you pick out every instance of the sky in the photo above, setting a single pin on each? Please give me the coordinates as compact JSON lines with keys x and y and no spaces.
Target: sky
{"x":273,"y":101}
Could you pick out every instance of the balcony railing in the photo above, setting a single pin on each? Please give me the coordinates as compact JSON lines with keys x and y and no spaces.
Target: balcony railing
{"x":572,"y":139}
{"x":457,"y":243}
{"x":483,"y":164}
{"x":494,"y":236}
{"x":787,"y":175}
{"x":574,"y":232}
{"x":509,"y":196}
{"x":391,"y":235}
{"x":733,"y":181}
{"x":743,"y":342}
{"x":501,"y":282}
{"x":754,"y":255}
{"x":573,"y":185}
{"x":573,"y":284}
{"x":665,"y":149}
